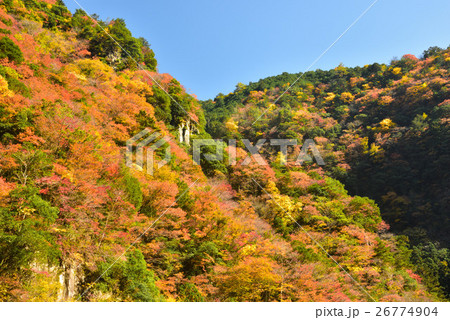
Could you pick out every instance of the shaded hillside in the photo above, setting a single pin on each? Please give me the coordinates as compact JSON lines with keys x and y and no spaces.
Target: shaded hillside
{"x":383,"y":131}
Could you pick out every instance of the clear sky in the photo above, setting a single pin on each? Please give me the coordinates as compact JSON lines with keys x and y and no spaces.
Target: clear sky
{"x":211,"y":45}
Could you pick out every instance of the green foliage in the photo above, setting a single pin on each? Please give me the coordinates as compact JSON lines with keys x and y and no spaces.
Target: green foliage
{"x":364,"y":213}
{"x":180,"y":104}
{"x":403,"y":252}
{"x":382,"y":130}
{"x":5,"y":31}
{"x":133,"y":189}
{"x":11,"y":125}
{"x":148,"y":55}
{"x":130,"y":279}
{"x":57,"y":16}
{"x":217,"y":112}
{"x":64,"y":201}
{"x":9,"y":50}
{"x":331,"y":189}
{"x":432,"y":51}
{"x":212,"y":167}
{"x":114,"y":42}
{"x":185,"y":200}
{"x":335,"y":211}
{"x":188,"y":292}
{"x":109,"y":45}
{"x":433,"y":264}
{"x":32,"y":164}
{"x":307,"y":254}
{"x":52,"y":16}
{"x":196,"y":254}
{"x":145,"y":120}
{"x":6,"y":21}
{"x":161,"y":103}
{"x":24,"y":234}
{"x":384,"y":253}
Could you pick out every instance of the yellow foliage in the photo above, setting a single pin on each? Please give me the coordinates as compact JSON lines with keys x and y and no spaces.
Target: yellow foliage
{"x":94,"y":68}
{"x":405,"y":79}
{"x":11,"y":73}
{"x":249,"y":250}
{"x":376,"y":152}
{"x":347,"y":97}
{"x":240,"y":86}
{"x":355,"y":269}
{"x":140,"y":87}
{"x":282,"y":206}
{"x":165,"y":174}
{"x":55,"y":43}
{"x":79,"y":76}
{"x":281,"y":159}
{"x":374,"y":149}
{"x":397,"y":70}
{"x":4,"y":90}
{"x":341,"y":68}
{"x":43,"y":288}
{"x":301,"y":95}
{"x":385,"y":125}
{"x":330,"y":96}
{"x":272,"y":188}
{"x":365,"y":144}
{"x":25,"y":212}
{"x":231,"y":125}
{"x":418,"y":89}
{"x":253,"y":279}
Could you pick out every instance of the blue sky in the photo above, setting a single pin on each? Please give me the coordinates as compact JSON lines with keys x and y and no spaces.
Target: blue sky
{"x":211,"y":45}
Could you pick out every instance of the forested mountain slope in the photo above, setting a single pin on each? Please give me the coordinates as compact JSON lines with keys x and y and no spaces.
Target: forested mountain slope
{"x":76,"y":223}
{"x":383,"y":131}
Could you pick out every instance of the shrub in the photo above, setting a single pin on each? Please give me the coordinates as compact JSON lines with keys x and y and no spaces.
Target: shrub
{"x":133,"y":189}
{"x":5,"y":31}
{"x":8,"y":49}
{"x":189,"y":293}
{"x":131,"y":279}
{"x":161,"y":103}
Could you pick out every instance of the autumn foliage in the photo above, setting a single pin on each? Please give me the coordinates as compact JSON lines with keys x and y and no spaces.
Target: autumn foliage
{"x":71,"y":209}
